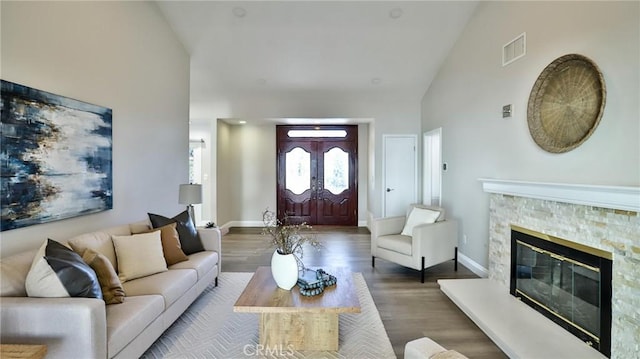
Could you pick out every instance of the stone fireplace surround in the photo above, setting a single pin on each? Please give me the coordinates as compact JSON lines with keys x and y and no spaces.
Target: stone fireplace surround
{"x":603,"y":217}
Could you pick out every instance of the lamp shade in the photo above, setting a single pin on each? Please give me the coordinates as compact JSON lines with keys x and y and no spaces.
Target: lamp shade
{"x":190,"y":194}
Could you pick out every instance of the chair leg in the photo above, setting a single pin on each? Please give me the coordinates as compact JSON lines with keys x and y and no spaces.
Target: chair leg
{"x":422,"y":271}
{"x":373,"y":261}
{"x":216,"y":284}
{"x":455,"y":259}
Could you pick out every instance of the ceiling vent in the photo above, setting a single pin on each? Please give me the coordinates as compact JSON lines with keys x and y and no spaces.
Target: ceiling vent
{"x":514,"y":49}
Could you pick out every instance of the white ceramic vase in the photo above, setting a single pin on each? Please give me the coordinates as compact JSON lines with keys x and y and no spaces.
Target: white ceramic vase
{"x":284,"y":269}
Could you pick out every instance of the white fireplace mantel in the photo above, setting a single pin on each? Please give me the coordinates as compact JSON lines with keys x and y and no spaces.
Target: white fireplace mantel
{"x":615,"y":197}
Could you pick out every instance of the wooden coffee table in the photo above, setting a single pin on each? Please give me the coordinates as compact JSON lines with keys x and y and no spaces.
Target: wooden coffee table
{"x":291,"y":320}
{"x":22,"y":351}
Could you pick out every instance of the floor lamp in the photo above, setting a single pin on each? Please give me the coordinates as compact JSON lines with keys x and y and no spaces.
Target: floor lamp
{"x":190,"y":194}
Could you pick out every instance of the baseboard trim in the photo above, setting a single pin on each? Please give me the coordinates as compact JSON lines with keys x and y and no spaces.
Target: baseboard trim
{"x":261,"y":224}
{"x":242,"y":224}
{"x":473,"y":266}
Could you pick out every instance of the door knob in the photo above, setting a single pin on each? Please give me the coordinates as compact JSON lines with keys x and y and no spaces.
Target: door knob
{"x":389,"y":189}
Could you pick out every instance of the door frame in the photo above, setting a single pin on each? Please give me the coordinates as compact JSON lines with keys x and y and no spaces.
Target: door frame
{"x":384,"y":168}
{"x":351,"y":137}
{"x":429,"y":168}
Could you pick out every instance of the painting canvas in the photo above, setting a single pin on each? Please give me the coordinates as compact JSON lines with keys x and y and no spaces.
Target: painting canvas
{"x":55,"y":157}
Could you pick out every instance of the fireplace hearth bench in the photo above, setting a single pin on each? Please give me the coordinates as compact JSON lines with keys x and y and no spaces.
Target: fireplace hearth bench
{"x":519,"y":330}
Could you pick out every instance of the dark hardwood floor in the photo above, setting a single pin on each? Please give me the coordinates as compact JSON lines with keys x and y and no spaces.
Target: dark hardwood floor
{"x":409,"y":309}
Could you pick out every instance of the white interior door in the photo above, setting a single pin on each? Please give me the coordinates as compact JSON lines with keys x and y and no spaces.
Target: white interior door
{"x":432,"y":165}
{"x":400,"y":174}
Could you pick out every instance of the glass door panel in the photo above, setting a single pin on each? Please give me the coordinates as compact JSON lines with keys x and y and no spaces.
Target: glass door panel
{"x":298,"y":170}
{"x":336,"y":170}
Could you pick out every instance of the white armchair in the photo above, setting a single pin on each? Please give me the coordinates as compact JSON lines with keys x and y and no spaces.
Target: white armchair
{"x":412,"y":241}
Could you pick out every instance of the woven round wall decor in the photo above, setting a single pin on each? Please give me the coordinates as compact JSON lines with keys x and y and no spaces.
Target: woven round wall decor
{"x":566,"y":103}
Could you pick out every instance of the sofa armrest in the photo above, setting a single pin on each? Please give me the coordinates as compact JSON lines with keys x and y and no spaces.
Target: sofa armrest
{"x":70,"y":327}
{"x":386,"y":226}
{"x":211,"y":239}
{"x":436,"y":241}
{"x":422,"y":348}
{"x":383,"y":227}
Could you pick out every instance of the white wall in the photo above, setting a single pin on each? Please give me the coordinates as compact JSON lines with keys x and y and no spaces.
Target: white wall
{"x":467,"y":96}
{"x":363,"y":173}
{"x":121,"y":55}
{"x":252,"y":172}
{"x":225,"y":204}
{"x":206,"y":131}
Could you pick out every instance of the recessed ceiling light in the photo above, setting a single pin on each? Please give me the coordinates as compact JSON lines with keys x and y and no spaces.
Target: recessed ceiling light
{"x":239,"y":11}
{"x":242,"y":122}
{"x":376,"y":81}
{"x":395,"y":13}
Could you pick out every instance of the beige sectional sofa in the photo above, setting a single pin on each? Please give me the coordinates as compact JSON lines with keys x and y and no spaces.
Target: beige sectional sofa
{"x":86,"y":327}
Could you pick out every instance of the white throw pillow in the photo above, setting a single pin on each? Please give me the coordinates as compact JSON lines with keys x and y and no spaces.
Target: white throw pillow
{"x":419,"y":216}
{"x":139,"y":255}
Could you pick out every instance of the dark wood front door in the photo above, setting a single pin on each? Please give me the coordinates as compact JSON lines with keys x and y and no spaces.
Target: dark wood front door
{"x":317,"y":175}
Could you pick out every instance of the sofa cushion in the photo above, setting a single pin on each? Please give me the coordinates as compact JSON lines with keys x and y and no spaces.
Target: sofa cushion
{"x":99,"y":242}
{"x":419,"y":216}
{"x":58,"y":271}
{"x":442,"y":211}
{"x":140,"y":226}
{"x":397,"y":243}
{"x":13,"y":274}
{"x":112,"y":291}
{"x":139,"y":255}
{"x":171,"y":284}
{"x":189,"y":238}
{"x":202,"y":262}
{"x":125,"y":321}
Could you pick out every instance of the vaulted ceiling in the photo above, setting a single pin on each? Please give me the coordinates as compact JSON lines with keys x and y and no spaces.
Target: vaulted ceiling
{"x":355,"y":48}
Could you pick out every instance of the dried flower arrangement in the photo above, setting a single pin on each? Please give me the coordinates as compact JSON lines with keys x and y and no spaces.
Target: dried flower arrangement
{"x":288,"y":238}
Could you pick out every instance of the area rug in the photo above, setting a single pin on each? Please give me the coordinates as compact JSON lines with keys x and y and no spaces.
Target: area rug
{"x":210,"y":329}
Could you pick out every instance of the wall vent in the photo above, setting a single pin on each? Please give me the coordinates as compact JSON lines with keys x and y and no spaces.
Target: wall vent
{"x":514,"y":49}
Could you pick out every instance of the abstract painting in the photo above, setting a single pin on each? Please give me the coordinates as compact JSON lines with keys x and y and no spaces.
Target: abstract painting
{"x":55,"y":157}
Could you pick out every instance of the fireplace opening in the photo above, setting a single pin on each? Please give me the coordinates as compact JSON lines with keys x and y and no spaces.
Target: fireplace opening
{"x":567,"y":282}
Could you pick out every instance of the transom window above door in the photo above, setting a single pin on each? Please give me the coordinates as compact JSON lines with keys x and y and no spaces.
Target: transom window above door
{"x":317,"y":133}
